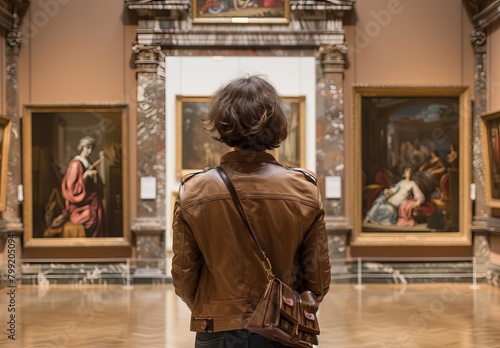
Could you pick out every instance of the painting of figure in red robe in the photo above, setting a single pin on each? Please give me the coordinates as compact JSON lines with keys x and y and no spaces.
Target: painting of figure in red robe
{"x":82,"y":189}
{"x":77,"y":177}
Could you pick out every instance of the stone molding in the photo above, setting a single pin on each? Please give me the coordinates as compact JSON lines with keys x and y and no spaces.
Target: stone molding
{"x":238,"y":38}
{"x":486,"y":15}
{"x":333,"y":57}
{"x":147,"y":58}
{"x":6,"y":17}
{"x":313,"y":23}
{"x":315,"y":5}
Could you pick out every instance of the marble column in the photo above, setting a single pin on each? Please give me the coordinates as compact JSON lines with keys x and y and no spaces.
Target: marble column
{"x":11,"y":216}
{"x":330,"y":122}
{"x":478,"y":40}
{"x":149,"y":225}
{"x":337,"y":232}
{"x":330,"y":144}
{"x":482,"y":232}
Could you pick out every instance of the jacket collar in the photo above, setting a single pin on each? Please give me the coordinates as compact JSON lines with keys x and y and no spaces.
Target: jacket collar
{"x":247,"y":156}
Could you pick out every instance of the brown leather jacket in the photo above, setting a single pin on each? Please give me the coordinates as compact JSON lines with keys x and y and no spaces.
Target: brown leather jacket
{"x":216,"y":268}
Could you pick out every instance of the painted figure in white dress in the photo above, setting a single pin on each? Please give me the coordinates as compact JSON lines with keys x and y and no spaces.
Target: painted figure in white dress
{"x":394,"y":206}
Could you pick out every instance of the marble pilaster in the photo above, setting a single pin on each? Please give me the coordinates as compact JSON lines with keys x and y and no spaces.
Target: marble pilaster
{"x":484,"y":14}
{"x":478,"y":40}
{"x":11,"y":216}
{"x":330,"y":154}
{"x":149,"y":226}
{"x":330,"y":121}
{"x":337,"y":232}
{"x":150,"y":248}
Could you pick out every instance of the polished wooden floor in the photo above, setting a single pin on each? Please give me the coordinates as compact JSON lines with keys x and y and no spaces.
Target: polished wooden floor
{"x":378,"y":316}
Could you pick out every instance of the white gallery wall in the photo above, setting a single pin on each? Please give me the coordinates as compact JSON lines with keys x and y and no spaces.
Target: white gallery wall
{"x":201,"y":76}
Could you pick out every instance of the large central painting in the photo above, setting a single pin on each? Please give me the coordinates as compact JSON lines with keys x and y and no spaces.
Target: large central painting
{"x":196,"y":149}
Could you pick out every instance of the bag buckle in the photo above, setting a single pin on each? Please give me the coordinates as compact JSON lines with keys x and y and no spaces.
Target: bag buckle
{"x":268,"y":268}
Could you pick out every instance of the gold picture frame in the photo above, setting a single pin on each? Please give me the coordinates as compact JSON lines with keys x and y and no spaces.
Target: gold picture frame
{"x":420,"y":128}
{"x":490,"y":137}
{"x":195,"y":147}
{"x":197,"y":150}
{"x":5,"y":126}
{"x":292,"y":151}
{"x":241,"y":11}
{"x":57,"y":141}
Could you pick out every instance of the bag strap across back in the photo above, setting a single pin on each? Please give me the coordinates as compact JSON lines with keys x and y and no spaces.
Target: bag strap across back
{"x":239,"y":207}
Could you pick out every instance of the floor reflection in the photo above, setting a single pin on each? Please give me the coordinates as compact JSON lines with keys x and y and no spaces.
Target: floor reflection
{"x":378,"y":316}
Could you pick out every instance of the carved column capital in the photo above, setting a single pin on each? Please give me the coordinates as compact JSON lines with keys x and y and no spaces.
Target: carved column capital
{"x":333,"y":58}
{"x":148,"y":57}
{"x":478,"y":40}
{"x":14,"y":37}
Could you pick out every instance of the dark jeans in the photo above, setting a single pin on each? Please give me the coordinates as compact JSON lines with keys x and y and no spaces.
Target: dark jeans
{"x":233,"y":339}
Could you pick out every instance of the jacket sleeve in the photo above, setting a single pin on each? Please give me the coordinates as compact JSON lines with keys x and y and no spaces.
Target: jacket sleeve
{"x":187,"y":259}
{"x":315,"y":268}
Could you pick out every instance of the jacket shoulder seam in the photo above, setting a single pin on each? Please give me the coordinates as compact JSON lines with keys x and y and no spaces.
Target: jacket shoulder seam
{"x":308,"y":175}
{"x":186,"y":177}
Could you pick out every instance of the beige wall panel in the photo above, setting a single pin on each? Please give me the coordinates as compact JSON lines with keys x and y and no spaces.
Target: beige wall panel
{"x":409,"y":42}
{"x":76,"y":51}
{"x":129,"y":58}
{"x":468,"y":58}
{"x":494,"y":59}
{"x":23,"y":71}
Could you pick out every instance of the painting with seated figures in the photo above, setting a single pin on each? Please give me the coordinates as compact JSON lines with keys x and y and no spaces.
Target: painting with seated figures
{"x":411,"y":165}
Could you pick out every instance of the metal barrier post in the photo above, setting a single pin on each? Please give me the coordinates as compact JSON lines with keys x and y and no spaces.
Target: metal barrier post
{"x":360,"y":285}
{"x":127,"y":276}
{"x":474,"y":274}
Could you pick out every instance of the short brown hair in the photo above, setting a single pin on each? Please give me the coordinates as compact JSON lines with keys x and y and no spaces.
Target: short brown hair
{"x":247,"y":113}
